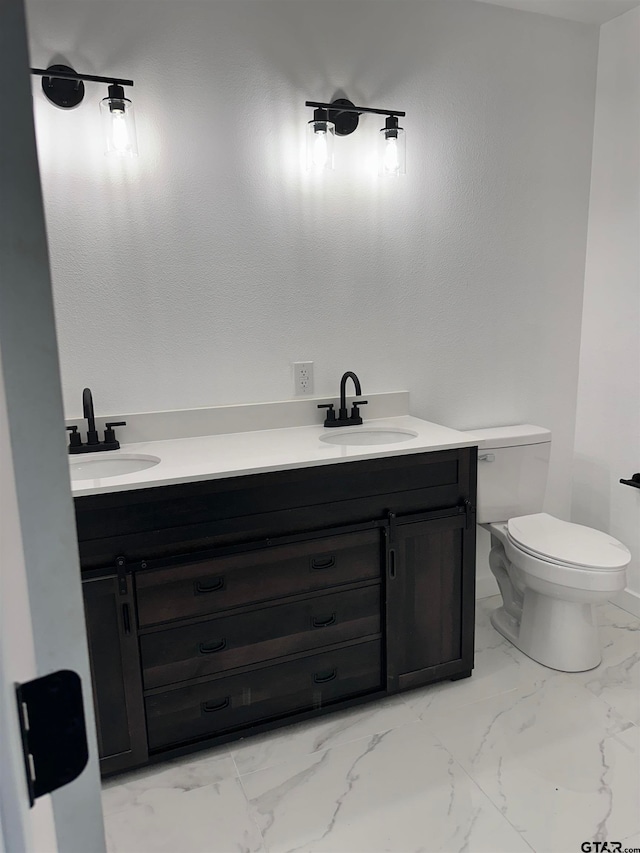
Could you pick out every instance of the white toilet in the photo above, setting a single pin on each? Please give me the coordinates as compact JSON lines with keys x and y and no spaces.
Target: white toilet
{"x":550,"y":572}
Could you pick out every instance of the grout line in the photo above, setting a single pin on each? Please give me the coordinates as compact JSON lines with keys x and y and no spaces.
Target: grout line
{"x":248,"y":802}
{"x":484,"y":793}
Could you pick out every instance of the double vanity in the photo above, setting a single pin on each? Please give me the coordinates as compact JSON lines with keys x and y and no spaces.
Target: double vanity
{"x":241,"y":581}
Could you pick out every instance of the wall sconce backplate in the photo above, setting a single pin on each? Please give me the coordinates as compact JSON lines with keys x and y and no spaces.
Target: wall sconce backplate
{"x":63,"y":93}
{"x":345,"y":123}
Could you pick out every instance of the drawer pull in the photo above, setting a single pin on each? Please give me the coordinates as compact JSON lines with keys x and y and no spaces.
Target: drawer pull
{"x":323,"y":562}
{"x":211,"y":585}
{"x":208,"y":707}
{"x":324,"y":677}
{"x":126,"y":619}
{"x":317,"y":622}
{"x":209,"y":648}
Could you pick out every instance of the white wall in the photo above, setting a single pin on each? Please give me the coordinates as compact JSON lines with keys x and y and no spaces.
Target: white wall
{"x":197,"y":274}
{"x":607,"y":444}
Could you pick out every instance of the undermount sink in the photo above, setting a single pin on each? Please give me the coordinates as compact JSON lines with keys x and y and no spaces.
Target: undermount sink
{"x":101,"y":466}
{"x":368,"y":436}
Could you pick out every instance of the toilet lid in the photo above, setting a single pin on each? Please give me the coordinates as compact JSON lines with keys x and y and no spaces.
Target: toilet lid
{"x":570,"y":544}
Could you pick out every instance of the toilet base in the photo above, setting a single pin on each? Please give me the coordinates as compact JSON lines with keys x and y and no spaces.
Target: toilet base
{"x":560,"y":634}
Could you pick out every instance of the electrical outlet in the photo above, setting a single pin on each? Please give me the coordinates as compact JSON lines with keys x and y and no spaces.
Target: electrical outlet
{"x":303,"y":377}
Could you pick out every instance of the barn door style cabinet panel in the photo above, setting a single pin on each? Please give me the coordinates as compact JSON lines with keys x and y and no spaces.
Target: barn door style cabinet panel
{"x":117,"y":686}
{"x":225,"y":607}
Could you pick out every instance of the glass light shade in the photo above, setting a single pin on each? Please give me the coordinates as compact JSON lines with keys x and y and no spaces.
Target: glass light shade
{"x":119,"y":127}
{"x":320,"y":140}
{"x":392,"y":155}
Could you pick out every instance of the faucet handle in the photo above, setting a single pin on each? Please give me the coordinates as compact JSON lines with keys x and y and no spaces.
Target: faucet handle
{"x":356,"y":403}
{"x":331,"y":415}
{"x":74,"y":439}
{"x":109,"y":434}
{"x":355,"y":417}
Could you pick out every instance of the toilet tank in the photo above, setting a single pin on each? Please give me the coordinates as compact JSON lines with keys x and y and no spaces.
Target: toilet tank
{"x":513,"y":462}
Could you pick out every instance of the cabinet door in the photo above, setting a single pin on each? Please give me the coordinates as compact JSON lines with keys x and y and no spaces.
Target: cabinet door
{"x":115,"y":674}
{"x":430,"y":598}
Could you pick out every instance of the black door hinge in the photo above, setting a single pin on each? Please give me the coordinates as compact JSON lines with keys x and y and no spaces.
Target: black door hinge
{"x":54,"y":735}
{"x":121,"y":569}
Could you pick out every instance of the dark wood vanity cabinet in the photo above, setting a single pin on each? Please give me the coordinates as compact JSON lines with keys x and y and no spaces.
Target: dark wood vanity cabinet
{"x":220,"y":608}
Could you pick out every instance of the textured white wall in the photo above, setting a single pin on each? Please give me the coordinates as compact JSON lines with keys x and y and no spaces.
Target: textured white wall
{"x":197,"y":274}
{"x":607,"y":444}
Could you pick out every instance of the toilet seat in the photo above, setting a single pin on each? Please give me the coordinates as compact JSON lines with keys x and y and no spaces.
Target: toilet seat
{"x":563,"y":543}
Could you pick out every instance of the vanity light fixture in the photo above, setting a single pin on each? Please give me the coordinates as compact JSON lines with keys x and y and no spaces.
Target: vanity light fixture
{"x":64,"y":87}
{"x":340,"y":118}
{"x":392,"y":159}
{"x":320,"y":138}
{"x":118,"y":123}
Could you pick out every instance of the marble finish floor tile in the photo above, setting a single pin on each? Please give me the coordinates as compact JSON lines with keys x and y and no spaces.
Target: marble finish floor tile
{"x":559,"y":763}
{"x":617,"y":679}
{"x":631,"y":843}
{"x":172,"y":820}
{"x":518,"y":757}
{"x":209,"y":767}
{"x":258,"y":753}
{"x":394,"y":791}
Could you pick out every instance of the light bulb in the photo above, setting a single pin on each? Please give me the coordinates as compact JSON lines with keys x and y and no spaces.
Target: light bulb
{"x":118,"y":123}
{"x":320,"y":138}
{"x":391,"y":163}
{"x":320,"y":153}
{"x":119,"y":132}
{"x":392,"y":155}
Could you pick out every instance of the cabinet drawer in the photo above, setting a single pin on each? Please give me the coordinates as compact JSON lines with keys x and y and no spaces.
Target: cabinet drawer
{"x":203,"y":710}
{"x":210,"y":647}
{"x":218,"y":583}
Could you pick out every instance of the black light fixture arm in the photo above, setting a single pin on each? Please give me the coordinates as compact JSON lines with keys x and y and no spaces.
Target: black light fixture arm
{"x":340,"y":107}
{"x":72,"y":75}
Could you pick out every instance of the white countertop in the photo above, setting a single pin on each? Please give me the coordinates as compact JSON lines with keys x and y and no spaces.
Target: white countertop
{"x":211,"y":457}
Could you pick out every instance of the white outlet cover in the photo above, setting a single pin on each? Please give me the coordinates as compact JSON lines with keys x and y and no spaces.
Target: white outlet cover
{"x":303,"y":378}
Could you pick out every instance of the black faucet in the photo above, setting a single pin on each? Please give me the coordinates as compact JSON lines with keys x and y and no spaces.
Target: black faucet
{"x":343,"y":418}
{"x":93,"y":445}
{"x":87,"y":409}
